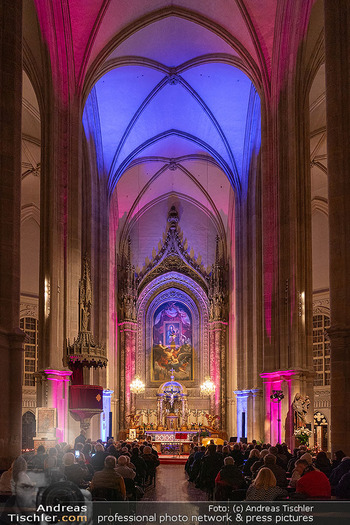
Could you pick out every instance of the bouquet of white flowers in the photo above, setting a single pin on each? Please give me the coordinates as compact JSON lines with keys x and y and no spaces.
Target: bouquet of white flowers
{"x":303,"y":435}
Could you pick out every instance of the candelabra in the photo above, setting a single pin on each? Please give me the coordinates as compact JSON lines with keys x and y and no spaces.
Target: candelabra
{"x":208,"y":387}
{"x":137,"y":386}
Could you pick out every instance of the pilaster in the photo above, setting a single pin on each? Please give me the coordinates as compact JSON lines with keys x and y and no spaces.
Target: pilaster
{"x":337,"y":47}
{"x":11,"y":337}
{"x":53,"y":391}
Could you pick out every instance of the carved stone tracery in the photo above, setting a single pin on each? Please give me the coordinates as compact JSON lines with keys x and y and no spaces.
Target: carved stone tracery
{"x":84,"y":351}
{"x":217,"y":288}
{"x":127,"y":287}
{"x":173,"y":275}
{"x":173,"y":257}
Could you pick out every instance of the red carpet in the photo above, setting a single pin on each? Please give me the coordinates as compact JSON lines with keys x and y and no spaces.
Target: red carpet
{"x":172,"y":460}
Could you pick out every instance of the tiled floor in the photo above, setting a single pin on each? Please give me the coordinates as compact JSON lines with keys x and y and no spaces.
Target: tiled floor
{"x":172,"y":485}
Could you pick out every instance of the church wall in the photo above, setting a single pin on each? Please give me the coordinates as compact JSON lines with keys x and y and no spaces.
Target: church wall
{"x":197,"y":228}
{"x":320,"y":254}
{"x":30,"y":249}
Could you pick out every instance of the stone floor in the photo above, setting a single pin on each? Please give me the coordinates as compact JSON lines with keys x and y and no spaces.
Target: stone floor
{"x":172,"y":485}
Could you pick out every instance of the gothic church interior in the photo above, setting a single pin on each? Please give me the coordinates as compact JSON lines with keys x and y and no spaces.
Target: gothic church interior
{"x":174,"y":196}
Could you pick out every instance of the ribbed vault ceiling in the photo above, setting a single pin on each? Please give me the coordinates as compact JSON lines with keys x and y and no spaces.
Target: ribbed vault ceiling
{"x":172,"y":113}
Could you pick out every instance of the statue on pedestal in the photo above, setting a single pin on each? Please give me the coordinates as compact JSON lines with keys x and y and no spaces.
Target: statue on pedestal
{"x":300,"y":406}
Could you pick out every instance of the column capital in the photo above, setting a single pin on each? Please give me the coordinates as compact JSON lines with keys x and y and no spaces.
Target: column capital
{"x":107,"y":392}
{"x":54,"y":375}
{"x":241,"y":393}
{"x":284,"y":375}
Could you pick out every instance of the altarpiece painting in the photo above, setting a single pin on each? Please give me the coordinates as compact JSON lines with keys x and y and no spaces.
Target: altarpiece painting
{"x":172,"y":342}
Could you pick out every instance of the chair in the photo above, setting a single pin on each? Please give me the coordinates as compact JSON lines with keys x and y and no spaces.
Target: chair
{"x":106,"y":494}
{"x":130,"y":489}
{"x":151,"y":477}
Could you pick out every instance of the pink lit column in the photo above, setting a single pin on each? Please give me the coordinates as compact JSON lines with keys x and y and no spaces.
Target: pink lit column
{"x":217,"y":341}
{"x":289,"y":381}
{"x":55,"y":386}
{"x":212,"y":365}
{"x":127,"y":331}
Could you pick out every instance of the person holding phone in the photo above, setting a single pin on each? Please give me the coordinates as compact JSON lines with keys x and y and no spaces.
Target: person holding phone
{"x":74,"y":471}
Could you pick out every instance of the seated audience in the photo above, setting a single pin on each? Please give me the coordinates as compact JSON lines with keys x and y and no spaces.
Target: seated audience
{"x":140,"y":465}
{"x":312,"y":483}
{"x":108,"y":478}
{"x":323,"y":464}
{"x":237,"y":455}
{"x":5,"y":480}
{"x":51,"y":460}
{"x":98,"y":459}
{"x":37,"y":461}
{"x":211,"y":464}
{"x":264,"y":487}
{"x":123,"y":469}
{"x":296,"y":472}
{"x":150,"y":459}
{"x":254,"y":456}
{"x":338,"y":456}
{"x":72,"y":471}
{"x":260,"y":463}
{"x":342,"y":490}
{"x":228,"y":479}
{"x":339,"y":471}
{"x":278,"y":471}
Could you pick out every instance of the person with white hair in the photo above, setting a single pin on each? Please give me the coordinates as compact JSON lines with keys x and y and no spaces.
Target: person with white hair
{"x":123,"y":469}
{"x":229,"y":478}
{"x":74,"y":472}
{"x":108,"y":479}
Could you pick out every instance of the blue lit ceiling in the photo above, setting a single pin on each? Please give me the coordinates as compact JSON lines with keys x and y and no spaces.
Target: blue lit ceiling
{"x":172,"y":90}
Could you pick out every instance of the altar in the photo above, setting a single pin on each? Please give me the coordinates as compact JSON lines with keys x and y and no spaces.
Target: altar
{"x":172,"y":442}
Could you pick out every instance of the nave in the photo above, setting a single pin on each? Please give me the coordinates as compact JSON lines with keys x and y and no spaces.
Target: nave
{"x":172,"y":485}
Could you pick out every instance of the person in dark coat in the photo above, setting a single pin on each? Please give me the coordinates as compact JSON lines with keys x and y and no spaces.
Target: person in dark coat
{"x":228,"y":479}
{"x":211,"y":465}
{"x":323,"y":464}
{"x":74,"y":472}
{"x":37,"y":462}
{"x":140,"y":465}
{"x":279,"y":472}
{"x":339,"y":472}
{"x":98,"y":459}
{"x":237,"y":455}
{"x":342,"y":490}
{"x":253,"y":457}
{"x":80,"y":439}
{"x":338,"y":456}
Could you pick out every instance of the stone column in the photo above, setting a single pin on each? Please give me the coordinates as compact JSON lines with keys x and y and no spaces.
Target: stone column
{"x":128,"y":331}
{"x":104,"y":421}
{"x":337,"y":46}
{"x":11,"y":337}
{"x":255,"y":411}
{"x":53,"y":392}
{"x":290,"y":382}
{"x":242,"y":408}
{"x":217,"y":339}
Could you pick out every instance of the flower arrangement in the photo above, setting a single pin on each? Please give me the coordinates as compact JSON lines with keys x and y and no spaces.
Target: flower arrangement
{"x":303,"y":435}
